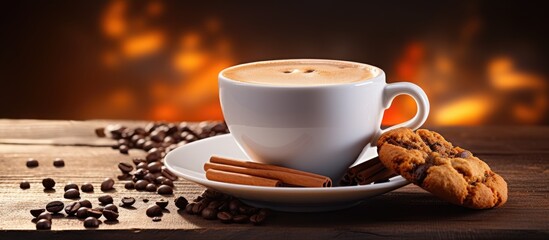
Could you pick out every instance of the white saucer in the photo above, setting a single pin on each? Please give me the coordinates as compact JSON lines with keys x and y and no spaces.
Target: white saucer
{"x":187,"y":162}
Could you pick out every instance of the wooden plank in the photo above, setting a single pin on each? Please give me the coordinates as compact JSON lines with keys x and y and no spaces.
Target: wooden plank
{"x":516,"y":153}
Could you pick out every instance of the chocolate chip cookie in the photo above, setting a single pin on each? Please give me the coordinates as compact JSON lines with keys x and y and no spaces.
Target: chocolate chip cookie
{"x":426,"y":159}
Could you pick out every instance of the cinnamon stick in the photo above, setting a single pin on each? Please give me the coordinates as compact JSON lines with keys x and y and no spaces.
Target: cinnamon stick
{"x":287,"y":176}
{"x":364,"y":175}
{"x":238,"y":178}
{"x":381,"y":175}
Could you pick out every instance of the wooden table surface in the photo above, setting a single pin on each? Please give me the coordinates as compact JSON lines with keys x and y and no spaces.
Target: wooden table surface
{"x":519,"y":154}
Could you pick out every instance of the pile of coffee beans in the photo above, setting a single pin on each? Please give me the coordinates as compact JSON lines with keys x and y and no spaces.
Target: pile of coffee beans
{"x":212,"y":205}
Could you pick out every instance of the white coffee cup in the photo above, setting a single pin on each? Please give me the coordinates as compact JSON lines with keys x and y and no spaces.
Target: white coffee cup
{"x":320,"y":129}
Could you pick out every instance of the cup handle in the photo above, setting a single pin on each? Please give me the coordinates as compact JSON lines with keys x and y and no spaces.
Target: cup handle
{"x":392,"y":90}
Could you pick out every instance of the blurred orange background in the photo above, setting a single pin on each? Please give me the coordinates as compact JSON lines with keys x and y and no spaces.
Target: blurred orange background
{"x":480,"y":62}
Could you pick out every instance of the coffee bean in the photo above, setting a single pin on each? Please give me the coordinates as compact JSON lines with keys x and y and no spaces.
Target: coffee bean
{"x":100,"y":132}
{"x":159,"y":179}
{"x":140,"y":173}
{"x":37,"y":211}
{"x":150,"y":187}
{"x":148,"y":145}
{"x":87,"y":187}
{"x":142,"y":165}
{"x":107,"y":184}
{"x":24,"y":185}
{"x":111,"y":207}
{"x":94,"y":213}
{"x":124,"y":176}
{"x":197,"y":208}
{"x":82,"y":213}
{"x":48,"y":183}
{"x":140,"y":143}
{"x":125,"y":167}
{"x":44,"y":215}
{"x":209,"y":213}
{"x":58,"y":162}
{"x":149,"y":177}
{"x":225,"y":217}
{"x":71,"y":194}
{"x":145,"y":200}
{"x":158,"y":135}
{"x":128,"y":201}
{"x":154,"y":167}
{"x":154,"y":155}
{"x":241,"y":218}
{"x":168,"y":174}
{"x":55,"y":206}
{"x":85,"y":203}
{"x":72,"y":208}
{"x":105,"y":199}
{"x":165,"y":190}
{"x":167,"y":182}
{"x":157,"y":219}
{"x":212,"y":194}
{"x":70,"y":186}
{"x":234,"y":205}
{"x":154,"y":211}
{"x":110,"y":215}
{"x":258,"y":219}
{"x":91,"y":222}
{"x":32,"y":163}
{"x":43,"y":224}
{"x":129,"y":185}
{"x":137,"y":161}
{"x":162,"y":203}
{"x":181,"y":202}
{"x":189,"y":208}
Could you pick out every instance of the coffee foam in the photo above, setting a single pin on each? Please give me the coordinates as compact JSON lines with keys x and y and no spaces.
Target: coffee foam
{"x":301,"y":72}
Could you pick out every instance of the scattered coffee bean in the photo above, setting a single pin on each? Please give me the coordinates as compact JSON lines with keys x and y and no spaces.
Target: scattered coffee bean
{"x":55,"y":206}
{"x":159,"y":179}
{"x":72,"y":208}
{"x":87,"y":187}
{"x":240,"y":218}
{"x":157,"y":219}
{"x":110,"y":215}
{"x":82,"y":213}
{"x":154,"y":155}
{"x":181,"y":202}
{"x":149,"y":177}
{"x":162,"y":203}
{"x":197,"y":208}
{"x":43,"y":224}
{"x":91,"y":222}
{"x":100,"y":132}
{"x":189,"y":208}
{"x":151,"y":187}
{"x":85,"y":203}
{"x":70,"y":186}
{"x":48,"y":183}
{"x":107,"y":184}
{"x":137,"y":161}
{"x":72,"y":194}
{"x":44,"y":215}
{"x":209,"y":213}
{"x":129,"y":185}
{"x":125,"y":176}
{"x":37,"y":211}
{"x":94,"y":213}
{"x":105,"y":199}
{"x":145,"y":200}
{"x":24,"y":185}
{"x":225,"y":217}
{"x":123,"y":149}
{"x":125,"y":167}
{"x":167,"y":182}
{"x":168,"y":174}
{"x":141,"y":184}
{"x":154,"y":211}
{"x":32,"y":163}
{"x":142,"y":165}
{"x":165,"y":190}
{"x":58,"y":162}
{"x":257,"y":219}
{"x":128,"y":201}
{"x":111,"y":207}
{"x":154,"y":167}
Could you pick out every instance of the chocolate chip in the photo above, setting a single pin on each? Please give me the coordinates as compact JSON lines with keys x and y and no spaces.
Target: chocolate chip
{"x":420,"y":173}
{"x":91,"y":222}
{"x":37,"y":211}
{"x":24,"y":185}
{"x":58,"y":162}
{"x":87,"y":187}
{"x":105,"y":199}
{"x":110,"y":215}
{"x":43,"y":224}
{"x":55,"y":206}
{"x":32,"y":163}
{"x":70,"y":186}
{"x":154,"y":211}
{"x":48,"y":183}
{"x":72,"y":194}
{"x":181,"y":202}
{"x":464,"y":154}
{"x":107,"y":184}
{"x":125,"y":167}
{"x":165,"y":190}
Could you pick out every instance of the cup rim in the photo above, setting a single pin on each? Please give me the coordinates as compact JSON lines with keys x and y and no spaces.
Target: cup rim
{"x":379,"y":75}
